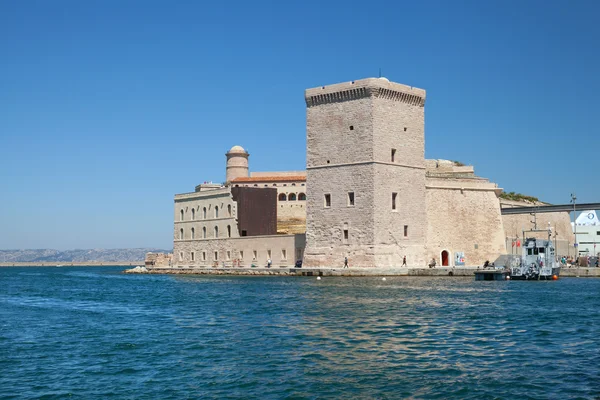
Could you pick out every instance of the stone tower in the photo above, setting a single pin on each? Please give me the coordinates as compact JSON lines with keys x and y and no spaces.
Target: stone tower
{"x":366,"y":174}
{"x":237,"y":163}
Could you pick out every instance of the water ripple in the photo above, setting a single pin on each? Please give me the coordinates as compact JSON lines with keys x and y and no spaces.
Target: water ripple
{"x":95,"y":333}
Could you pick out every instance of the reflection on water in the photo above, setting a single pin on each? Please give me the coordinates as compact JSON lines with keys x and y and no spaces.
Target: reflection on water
{"x":95,"y":333}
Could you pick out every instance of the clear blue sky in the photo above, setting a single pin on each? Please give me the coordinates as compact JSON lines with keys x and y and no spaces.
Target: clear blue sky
{"x":109,"y":108}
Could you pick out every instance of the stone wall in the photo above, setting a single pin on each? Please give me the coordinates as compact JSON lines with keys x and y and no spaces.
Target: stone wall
{"x":283,"y":250}
{"x":365,"y":137}
{"x":200,"y":212}
{"x":463,"y":215}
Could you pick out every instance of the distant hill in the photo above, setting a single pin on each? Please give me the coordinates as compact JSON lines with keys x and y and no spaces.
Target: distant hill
{"x":86,"y":255}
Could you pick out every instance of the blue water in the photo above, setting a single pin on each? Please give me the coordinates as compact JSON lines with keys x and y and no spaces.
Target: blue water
{"x":94,"y":333}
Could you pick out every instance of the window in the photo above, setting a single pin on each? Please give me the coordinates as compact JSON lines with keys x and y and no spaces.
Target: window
{"x":229,"y":210}
{"x":598,"y":233}
{"x":350,"y":198}
{"x":301,"y":197}
{"x":327,"y":200}
{"x":181,"y":256}
{"x":254,"y":255}
{"x":292,"y":197}
{"x":216,"y":211}
{"x":181,"y":234}
{"x":245,"y":233}
{"x":216,"y":231}
{"x":241,"y":255}
{"x":282,"y":197}
{"x":204,"y":213}
{"x":405,"y":230}
{"x":192,"y":256}
{"x":302,"y":184}
{"x":203,"y":232}
{"x":393,"y":155}
{"x":256,"y":185}
{"x":268,"y":253}
{"x":405,"y":128}
{"x":394,"y":195}
{"x":193,"y":214}
{"x":274,"y":184}
{"x":266,"y":185}
{"x":216,"y":255}
{"x":181,"y":215}
{"x":228,"y":230}
{"x":193,"y":233}
{"x":203,"y":256}
{"x":345,"y":234}
{"x":293,"y":184}
{"x":228,"y":257}
{"x":351,"y":127}
{"x":283,"y":255}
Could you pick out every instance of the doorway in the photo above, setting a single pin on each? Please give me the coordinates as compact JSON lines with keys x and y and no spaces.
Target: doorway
{"x":445,"y":258}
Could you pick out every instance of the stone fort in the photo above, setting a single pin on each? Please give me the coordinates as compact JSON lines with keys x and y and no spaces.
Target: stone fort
{"x":368,"y":194}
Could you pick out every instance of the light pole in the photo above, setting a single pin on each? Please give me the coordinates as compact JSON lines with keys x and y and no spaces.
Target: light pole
{"x":573,"y":200}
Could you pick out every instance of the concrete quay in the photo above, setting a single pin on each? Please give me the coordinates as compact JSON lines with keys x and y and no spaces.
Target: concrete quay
{"x":288,"y":271}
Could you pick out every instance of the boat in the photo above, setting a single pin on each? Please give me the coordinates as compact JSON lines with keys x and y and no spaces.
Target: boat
{"x":538,"y":261}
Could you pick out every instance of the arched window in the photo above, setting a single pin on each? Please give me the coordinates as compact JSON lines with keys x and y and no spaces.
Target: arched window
{"x":181,"y":215}
{"x":256,"y":185}
{"x":193,"y":233}
{"x":216,"y":211}
{"x":204,"y":213}
{"x":292,"y":197}
{"x":301,"y":196}
{"x":266,"y":185}
{"x":193,"y":214}
{"x":274,"y":184}
{"x":282,"y":197}
{"x":293,"y":184}
{"x":237,"y":185}
{"x":302,"y":184}
{"x":216,"y":231}
{"x":228,"y":230}
{"x":204,"y":232}
{"x":181,"y":234}
{"x":229,"y":210}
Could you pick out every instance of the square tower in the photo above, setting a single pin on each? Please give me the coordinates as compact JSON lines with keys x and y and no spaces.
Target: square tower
{"x":366,"y":174}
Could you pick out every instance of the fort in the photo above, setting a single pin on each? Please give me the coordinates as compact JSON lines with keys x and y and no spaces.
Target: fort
{"x":368,"y":194}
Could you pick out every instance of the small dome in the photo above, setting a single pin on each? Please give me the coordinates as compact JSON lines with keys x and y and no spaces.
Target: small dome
{"x":384,"y":78}
{"x":237,"y":149}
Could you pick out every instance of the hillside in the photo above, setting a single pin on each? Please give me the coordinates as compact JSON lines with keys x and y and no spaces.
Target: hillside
{"x":84,"y":255}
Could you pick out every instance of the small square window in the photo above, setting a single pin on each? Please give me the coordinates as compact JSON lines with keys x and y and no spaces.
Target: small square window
{"x":351,"y":127}
{"x":327,"y":200}
{"x":598,"y":233}
{"x":350,"y":198}
{"x":405,"y":128}
{"x":393,"y":155}
{"x":405,"y":230}
{"x":394,"y":196}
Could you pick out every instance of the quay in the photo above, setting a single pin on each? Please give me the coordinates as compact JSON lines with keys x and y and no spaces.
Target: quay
{"x":73,"y":264}
{"x":348,"y":272}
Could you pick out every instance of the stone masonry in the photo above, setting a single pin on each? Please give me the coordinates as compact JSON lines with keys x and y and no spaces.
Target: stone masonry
{"x":366,"y":174}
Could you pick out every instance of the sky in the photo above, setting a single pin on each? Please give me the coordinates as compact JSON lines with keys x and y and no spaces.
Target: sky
{"x":109,"y":108}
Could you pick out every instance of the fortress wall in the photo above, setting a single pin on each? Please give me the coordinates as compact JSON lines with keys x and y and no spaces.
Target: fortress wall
{"x":466,"y":220}
{"x":241,"y":248}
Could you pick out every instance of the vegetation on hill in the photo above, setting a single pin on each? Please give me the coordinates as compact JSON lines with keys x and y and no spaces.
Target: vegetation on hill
{"x":458,"y":164}
{"x":518,"y":197}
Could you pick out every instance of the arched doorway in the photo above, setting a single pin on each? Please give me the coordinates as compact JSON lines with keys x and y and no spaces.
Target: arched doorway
{"x":445,"y":258}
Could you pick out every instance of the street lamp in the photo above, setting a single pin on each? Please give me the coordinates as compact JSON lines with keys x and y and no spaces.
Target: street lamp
{"x":573,"y":200}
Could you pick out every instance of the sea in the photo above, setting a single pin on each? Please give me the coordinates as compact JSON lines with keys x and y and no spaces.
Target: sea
{"x":96,"y":333}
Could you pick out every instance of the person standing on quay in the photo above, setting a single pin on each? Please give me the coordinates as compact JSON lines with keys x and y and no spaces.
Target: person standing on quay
{"x":404,"y":262}
{"x":345,"y":262}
